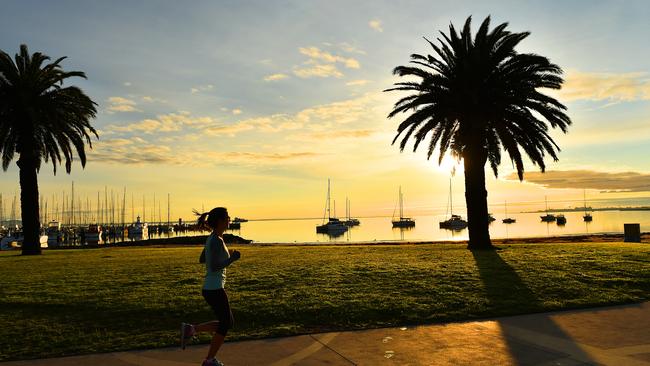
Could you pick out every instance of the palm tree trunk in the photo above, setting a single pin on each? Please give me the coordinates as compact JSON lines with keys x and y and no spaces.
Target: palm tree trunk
{"x":29,"y":206}
{"x":476,"y":198}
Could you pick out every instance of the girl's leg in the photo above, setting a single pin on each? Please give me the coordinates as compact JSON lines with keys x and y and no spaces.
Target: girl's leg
{"x":215,"y":344}
{"x":210,"y":326}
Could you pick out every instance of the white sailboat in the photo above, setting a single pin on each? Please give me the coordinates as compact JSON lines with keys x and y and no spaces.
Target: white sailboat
{"x":402,"y":221}
{"x":54,"y":234}
{"x":333,"y":226}
{"x":349,"y":220}
{"x":548,"y":217}
{"x":138,"y":229}
{"x":587,"y":216}
{"x":507,"y":220}
{"x":14,"y":240}
{"x":454,"y":222}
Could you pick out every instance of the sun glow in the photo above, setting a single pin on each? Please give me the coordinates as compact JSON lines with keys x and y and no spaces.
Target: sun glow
{"x":449,"y":165}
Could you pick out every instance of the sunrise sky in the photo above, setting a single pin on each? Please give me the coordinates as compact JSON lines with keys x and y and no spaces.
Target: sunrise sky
{"x":254,"y":104}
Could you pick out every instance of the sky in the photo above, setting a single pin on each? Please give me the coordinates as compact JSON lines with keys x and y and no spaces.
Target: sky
{"x":253,"y":105}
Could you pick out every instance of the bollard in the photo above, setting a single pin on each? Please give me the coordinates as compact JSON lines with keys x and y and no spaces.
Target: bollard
{"x":632,"y":233}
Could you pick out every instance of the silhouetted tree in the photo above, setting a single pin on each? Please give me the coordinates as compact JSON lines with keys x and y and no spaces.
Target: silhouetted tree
{"x":40,"y":120}
{"x":475,"y":97}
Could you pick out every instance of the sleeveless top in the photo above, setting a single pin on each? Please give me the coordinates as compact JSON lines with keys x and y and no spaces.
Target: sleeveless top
{"x":215,"y":280}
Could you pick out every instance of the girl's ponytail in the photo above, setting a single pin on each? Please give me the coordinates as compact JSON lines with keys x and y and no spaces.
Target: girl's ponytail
{"x":208,"y":220}
{"x":202,"y":221}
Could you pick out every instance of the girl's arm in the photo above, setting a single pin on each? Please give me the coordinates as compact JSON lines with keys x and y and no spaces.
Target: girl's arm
{"x":202,"y":257}
{"x":217,"y":265}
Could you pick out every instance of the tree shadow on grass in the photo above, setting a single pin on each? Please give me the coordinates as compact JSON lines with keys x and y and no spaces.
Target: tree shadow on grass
{"x":508,"y":294}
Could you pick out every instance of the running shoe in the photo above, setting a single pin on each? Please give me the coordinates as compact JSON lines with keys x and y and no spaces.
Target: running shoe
{"x":212,"y":362}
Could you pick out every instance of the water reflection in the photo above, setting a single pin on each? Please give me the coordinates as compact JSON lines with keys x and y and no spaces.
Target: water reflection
{"x":381,"y":229}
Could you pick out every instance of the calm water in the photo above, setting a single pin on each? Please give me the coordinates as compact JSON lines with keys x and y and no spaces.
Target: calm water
{"x":426,"y":228}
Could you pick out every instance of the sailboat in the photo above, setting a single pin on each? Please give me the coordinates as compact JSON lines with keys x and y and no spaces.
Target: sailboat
{"x":403,"y":221}
{"x":349,"y":220}
{"x":138,"y":230}
{"x":333,"y":226}
{"x":548,"y":217}
{"x":507,"y":220}
{"x":455,"y":222}
{"x":587,"y":217}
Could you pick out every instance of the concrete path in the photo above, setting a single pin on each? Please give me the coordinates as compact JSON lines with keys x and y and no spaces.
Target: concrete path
{"x":618,"y":335}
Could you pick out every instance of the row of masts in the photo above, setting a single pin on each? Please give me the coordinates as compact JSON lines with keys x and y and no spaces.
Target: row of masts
{"x":108,"y":209}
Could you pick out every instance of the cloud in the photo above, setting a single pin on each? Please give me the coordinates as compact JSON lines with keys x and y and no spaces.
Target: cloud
{"x":201,"y":88}
{"x":589,"y":179}
{"x":350,"y":48}
{"x":127,"y":83}
{"x":273,"y":123}
{"x":327,"y":118}
{"x":376,"y":25}
{"x":323,"y":64}
{"x":136,"y":151}
{"x":609,"y":87}
{"x":117,"y":142}
{"x":256,"y":157}
{"x":318,"y":70}
{"x":317,"y":54}
{"x":236,"y":111}
{"x":332,"y":135}
{"x":171,"y":122}
{"x":275,"y":77}
{"x":119,"y":104}
{"x":357,"y":82}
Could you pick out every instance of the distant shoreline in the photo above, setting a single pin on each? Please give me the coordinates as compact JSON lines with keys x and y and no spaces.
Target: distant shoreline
{"x":581,"y":209}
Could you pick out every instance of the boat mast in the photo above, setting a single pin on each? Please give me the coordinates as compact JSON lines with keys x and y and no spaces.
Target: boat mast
{"x":401,"y":204}
{"x":451,"y":200}
{"x":72,"y":203}
{"x":546,"y":202}
{"x":328,"y":199}
{"x":124,"y":207}
{"x":167,"y":211}
{"x":105,"y":205}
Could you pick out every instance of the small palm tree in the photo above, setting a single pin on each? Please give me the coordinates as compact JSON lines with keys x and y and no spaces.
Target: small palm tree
{"x":476,"y":96}
{"x":40,"y":120}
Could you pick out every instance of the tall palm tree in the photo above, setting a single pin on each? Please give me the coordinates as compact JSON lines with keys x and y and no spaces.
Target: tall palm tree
{"x":40,"y":120}
{"x":475,"y":96}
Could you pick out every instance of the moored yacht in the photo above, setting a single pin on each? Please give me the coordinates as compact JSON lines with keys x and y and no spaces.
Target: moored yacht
{"x":53,"y":232}
{"x":403,"y":222}
{"x":454,"y":222}
{"x":138,"y":229}
{"x":333,"y":226}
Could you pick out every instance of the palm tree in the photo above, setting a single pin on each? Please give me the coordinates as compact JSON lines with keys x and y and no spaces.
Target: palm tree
{"x":40,"y":120}
{"x":475,"y":97}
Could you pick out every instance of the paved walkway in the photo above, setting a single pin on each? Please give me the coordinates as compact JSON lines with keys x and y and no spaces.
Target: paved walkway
{"x":618,"y":335}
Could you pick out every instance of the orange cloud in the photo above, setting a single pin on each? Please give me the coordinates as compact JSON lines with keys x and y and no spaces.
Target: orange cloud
{"x":611,"y":87}
{"x":589,"y":179}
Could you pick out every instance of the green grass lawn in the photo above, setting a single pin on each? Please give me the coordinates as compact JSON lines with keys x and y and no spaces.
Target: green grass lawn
{"x":82,"y":301}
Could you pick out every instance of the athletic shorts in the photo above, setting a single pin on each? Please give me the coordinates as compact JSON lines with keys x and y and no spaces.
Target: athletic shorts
{"x":218,"y":301}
